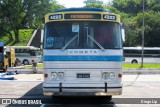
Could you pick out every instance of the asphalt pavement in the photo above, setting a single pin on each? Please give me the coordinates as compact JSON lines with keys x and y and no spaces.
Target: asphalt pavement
{"x":138,"y":86}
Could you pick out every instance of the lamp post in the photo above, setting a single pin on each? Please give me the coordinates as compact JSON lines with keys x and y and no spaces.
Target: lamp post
{"x":142,"y":38}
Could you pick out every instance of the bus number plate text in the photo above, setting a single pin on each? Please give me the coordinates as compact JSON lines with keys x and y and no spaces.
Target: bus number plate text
{"x":85,"y":75}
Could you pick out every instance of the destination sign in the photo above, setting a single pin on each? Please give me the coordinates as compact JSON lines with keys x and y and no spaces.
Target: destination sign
{"x":82,"y":16}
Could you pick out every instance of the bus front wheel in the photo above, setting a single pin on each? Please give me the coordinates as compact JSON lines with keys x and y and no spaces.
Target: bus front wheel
{"x":108,"y":98}
{"x":25,"y":62}
{"x":105,"y":98}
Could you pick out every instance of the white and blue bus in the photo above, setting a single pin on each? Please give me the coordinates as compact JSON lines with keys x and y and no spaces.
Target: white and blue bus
{"x":133,"y":55}
{"x":82,"y":52}
{"x":25,"y":54}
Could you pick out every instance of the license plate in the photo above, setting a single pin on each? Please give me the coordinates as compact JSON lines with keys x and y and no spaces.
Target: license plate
{"x":83,"y":75}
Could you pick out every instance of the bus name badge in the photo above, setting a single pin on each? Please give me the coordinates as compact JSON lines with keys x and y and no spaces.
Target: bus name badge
{"x":83,"y":75}
{"x":83,"y":52}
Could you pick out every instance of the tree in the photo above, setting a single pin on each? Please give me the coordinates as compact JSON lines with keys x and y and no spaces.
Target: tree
{"x":128,"y":6}
{"x":21,"y":13}
{"x":131,"y":12}
{"x":5,"y":28}
{"x":94,"y":3}
{"x":152,"y":27}
{"x":135,"y":6}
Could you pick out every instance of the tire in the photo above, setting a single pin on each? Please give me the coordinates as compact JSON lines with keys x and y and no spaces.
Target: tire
{"x":134,"y":62}
{"x":108,"y":98}
{"x":25,"y":62}
{"x":105,"y":98}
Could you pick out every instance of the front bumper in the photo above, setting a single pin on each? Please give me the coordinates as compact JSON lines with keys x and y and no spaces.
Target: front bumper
{"x":79,"y":89}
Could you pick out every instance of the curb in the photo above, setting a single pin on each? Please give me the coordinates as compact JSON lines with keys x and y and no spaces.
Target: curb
{"x":26,"y":71}
{"x":141,"y":71}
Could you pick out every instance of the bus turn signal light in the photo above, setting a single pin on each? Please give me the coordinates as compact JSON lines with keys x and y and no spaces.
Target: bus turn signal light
{"x":45,"y":75}
{"x":120,"y":75}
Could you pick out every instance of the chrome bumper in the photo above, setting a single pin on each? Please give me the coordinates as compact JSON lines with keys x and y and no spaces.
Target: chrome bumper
{"x":78,"y":89}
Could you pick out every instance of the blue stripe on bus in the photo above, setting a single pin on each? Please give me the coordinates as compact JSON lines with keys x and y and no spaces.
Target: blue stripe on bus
{"x":83,"y":58}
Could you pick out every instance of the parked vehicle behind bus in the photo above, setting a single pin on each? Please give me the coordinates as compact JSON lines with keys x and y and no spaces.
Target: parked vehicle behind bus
{"x":25,"y":54}
{"x":134,"y":54}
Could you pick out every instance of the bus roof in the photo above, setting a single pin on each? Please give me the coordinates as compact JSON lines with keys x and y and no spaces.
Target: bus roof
{"x":82,"y":9}
{"x":1,"y":44}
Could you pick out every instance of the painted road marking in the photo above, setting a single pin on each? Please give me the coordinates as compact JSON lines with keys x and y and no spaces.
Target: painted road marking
{"x":43,"y":105}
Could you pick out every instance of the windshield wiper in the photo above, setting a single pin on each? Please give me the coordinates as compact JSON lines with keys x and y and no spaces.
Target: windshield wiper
{"x":68,"y":43}
{"x":98,"y":44}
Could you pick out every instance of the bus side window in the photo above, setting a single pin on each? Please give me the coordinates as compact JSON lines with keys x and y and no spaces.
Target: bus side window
{"x":32,"y":53}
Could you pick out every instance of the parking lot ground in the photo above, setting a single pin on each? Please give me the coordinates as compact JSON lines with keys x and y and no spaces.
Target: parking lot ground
{"x":135,"y":86}
{"x":28,"y":77}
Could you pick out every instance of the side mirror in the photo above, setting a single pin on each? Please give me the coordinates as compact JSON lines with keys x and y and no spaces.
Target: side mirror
{"x":123,"y":35}
{"x":42,"y":34}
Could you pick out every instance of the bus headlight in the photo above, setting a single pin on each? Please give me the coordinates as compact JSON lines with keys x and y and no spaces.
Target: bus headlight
{"x":54,"y":75}
{"x":105,"y":75}
{"x":111,"y":75}
{"x":60,"y":75}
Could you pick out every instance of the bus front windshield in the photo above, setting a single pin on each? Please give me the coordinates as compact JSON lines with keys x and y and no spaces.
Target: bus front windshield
{"x":82,"y":35}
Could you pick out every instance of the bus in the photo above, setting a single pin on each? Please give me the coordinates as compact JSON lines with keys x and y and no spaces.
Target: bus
{"x":134,"y":54}
{"x":25,"y":54}
{"x":82,"y":53}
{"x":3,"y":58}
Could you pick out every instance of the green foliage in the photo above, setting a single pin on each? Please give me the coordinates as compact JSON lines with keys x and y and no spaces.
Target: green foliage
{"x":94,"y":3}
{"x":137,"y":66}
{"x":19,"y":14}
{"x":114,"y":10}
{"x":132,"y":33}
{"x":131,"y":13}
{"x":128,"y":6}
{"x":152,"y":27}
{"x":25,"y":35}
{"x":135,"y":6}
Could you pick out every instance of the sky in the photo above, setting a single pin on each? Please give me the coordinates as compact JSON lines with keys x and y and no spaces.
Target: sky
{"x":74,"y":3}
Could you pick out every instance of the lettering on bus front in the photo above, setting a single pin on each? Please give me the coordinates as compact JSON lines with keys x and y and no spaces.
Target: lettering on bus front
{"x":82,"y":52}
